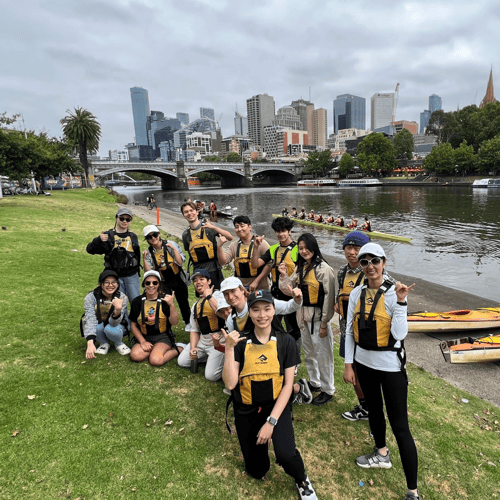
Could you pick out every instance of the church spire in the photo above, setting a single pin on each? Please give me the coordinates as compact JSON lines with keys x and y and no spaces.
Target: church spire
{"x":490,"y":96}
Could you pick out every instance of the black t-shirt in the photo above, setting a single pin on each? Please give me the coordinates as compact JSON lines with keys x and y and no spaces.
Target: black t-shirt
{"x":135,"y":312}
{"x":288,"y":356}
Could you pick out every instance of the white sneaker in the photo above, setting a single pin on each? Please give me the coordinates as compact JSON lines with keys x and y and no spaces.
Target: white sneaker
{"x":102,"y":349}
{"x":123,"y":349}
{"x":306,"y":491}
{"x":188,"y":327}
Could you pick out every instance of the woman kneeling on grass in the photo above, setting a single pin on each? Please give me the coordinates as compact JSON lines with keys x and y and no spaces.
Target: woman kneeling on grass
{"x":261,"y":393}
{"x":375,"y":332}
{"x":151,"y":318}
{"x":104,"y":310}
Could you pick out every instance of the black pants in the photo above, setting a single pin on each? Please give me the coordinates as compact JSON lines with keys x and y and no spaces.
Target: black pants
{"x":181,"y":295}
{"x":256,"y":456}
{"x":292,"y":327}
{"x":393,"y":386}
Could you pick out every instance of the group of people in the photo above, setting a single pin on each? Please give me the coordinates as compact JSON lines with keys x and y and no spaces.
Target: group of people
{"x":250,"y":328}
{"x":328,"y":218}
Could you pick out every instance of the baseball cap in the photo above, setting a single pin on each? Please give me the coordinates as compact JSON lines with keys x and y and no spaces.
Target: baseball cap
{"x":221,"y":301}
{"x":356,"y":238}
{"x":107,"y":274}
{"x":230,"y":284}
{"x":372,"y":249}
{"x":150,"y":229}
{"x":200,"y":272}
{"x":124,"y":211}
{"x":260,"y":296}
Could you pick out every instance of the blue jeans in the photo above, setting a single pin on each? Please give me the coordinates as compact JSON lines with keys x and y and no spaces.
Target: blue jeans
{"x":131,"y":287}
{"x":108,"y":333}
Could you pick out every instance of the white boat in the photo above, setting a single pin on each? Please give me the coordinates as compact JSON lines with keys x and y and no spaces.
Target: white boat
{"x":316,"y":183}
{"x":486,"y":183}
{"x":359,"y":182}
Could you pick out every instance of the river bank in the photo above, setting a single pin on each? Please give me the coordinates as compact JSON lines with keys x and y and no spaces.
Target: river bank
{"x":482,"y":380}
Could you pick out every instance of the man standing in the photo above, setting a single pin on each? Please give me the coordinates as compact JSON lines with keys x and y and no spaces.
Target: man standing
{"x":200,"y":243}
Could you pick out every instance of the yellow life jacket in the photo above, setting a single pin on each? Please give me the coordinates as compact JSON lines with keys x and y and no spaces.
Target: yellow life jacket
{"x":103,"y":308}
{"x":313,"y":293}
{"x":371,"y":323}
{"x":280,"y":254}
{"x":208,"y":321}
{"x":167,"y":268}
{"x":261,"y":379}
{"x":242,"y":261}
{"x":201,"y":249}
{"x":349,"y":283}
{"x":152,"y":315}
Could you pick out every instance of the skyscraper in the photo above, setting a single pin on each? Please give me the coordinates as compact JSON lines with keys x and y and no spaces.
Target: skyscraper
{"x":425,"y":116}
{"x":240,"y":124}
{"x":382,"y":107}
{"x":320,"y":127}
{"x":287,"y":117}
{"x":304,"y":110}
{"x":435,"y":103}
{"x":260,"y":113}
{"x":140,"y":112}
{"x":349,"y":111}
{"x":183,"y":118}
{"x":208,"y":113}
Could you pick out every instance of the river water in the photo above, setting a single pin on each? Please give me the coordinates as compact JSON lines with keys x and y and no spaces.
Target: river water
{"x":455,"y":231}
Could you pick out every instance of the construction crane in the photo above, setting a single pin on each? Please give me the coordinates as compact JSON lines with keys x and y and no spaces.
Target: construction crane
{"x":396,"y":96}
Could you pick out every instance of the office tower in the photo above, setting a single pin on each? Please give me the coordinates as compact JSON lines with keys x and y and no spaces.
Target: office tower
{"x":260,"y":114}
{"x":349,"y":111}
{"x":405,"y":124}
{"x":287,"y":117}
{"x":425,"y":116}
{"x":208,"y":113}
{"x":140,"y":112}
{"x":305,"y":111}
{"x":382,"y":107}
{"x":320,"y":127}
{"x":183,"y":118}
{"x":435,"y":103}
{"x":240,"y":124}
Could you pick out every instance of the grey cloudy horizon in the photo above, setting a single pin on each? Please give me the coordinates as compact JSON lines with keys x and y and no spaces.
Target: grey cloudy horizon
{"x":60,"y":54}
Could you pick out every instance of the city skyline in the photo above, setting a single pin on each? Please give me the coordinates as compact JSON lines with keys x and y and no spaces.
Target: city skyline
{"x":61,"y":55}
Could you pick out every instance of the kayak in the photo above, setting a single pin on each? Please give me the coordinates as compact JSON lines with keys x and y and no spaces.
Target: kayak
{"x":471,"y":350}
{"x":373,"y":234}
{"x":466,"y":319}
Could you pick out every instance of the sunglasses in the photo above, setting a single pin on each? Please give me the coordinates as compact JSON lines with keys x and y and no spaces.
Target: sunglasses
{"x":110,"y":283}
{"x":152,"y":235}
{"x":151,"y":283}
{"x":374,"y":262}
{"x":125,"y":219}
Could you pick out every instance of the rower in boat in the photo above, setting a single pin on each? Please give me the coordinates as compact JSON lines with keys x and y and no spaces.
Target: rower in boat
{"x":367,"y":225}
{"x":294,"y":212}
{"x":311,"y":215}
{"x":319,"y":217}
{"x":284,"y":212}
{"x":353,"y":224}
{"x":302,"y":214}
{"x":330,"y":219}
{"x":339,"y":221}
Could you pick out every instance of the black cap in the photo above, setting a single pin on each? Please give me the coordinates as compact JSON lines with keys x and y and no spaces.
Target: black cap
{"x":260,"y":296}
{"x":107,"y":274}
{"x":200,"y":272}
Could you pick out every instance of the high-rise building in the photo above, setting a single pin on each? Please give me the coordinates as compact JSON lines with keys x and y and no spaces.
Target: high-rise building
{"x":240,"y":124}
{"x":435,"y":103}
{"x":260,"y":114}
{"x":425,"y":116}
{"x":305,"y":111}
{"x":208,"y":113}
{"x":277,"y":139}
{"x":382,"y":107}
{"x":349,"y":111}
{"x":401,"y":124}
{"x":320,"y":127}
{"x":287,"y":117}
{"x":183,"y":118}
{"x":140,"y":112}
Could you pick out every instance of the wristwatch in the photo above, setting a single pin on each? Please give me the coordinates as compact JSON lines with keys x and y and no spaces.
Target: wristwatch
{"x":402,"y":303}
{"x":208,"y":297}
{"x":273,"y":421}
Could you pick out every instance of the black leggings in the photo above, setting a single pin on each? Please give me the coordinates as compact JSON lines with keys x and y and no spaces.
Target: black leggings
{"x":256,"y":456}
{"x":394,"y":388}
{"x":181,"y":296}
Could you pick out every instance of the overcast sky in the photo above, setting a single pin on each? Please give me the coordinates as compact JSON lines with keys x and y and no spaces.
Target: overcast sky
{"x":59,"y":54}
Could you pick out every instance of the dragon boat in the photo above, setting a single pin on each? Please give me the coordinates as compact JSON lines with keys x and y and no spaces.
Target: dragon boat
{"x":472,"y":350}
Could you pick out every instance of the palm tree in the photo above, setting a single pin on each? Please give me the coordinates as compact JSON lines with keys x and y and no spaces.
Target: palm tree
{"x":82,"y":129}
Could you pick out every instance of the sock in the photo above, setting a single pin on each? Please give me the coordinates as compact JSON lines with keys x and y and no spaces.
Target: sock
{"x":362,"y":403}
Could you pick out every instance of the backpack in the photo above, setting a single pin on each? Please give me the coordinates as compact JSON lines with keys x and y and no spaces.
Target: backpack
{"x":120,"y":258}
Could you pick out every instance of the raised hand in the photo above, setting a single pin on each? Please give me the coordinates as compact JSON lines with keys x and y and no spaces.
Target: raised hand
{"x":169,"y":299}
{"x":282,"y":269}
{"x":222,"y":239}
{"x":232,"y":338}
{"x":402,"y":291}
{"x":118,"y":304}
{"x":257,"y":241}
{"x":208,"y":291}
{"x":104,"y":236}
{"x":296,"y":293}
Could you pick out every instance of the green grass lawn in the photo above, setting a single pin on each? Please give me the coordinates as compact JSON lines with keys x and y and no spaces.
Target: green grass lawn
{"x":110,"y":429}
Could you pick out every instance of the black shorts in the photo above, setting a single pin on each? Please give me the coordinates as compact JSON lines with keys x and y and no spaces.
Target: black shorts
{"x":162,"y":337}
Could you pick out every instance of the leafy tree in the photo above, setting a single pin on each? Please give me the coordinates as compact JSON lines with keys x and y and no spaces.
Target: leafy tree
{"x":489,"y":155}
{"x":234,"y":158}
{"x":441,"y":159}
{"x":376,"y":152}
{"x":346,"y":164}
{"x":213,"y":158}
{"x":464,"y":158}
{"x":318,"y":161}
{"x":403,"y":144}
{"x":82,"y":130}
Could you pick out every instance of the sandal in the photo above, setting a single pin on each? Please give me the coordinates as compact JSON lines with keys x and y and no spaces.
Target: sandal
{"x":102,"y":349}
{"x":123,"y":349}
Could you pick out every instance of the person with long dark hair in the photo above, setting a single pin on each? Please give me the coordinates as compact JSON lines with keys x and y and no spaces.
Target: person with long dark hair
{"x":316,"y":279}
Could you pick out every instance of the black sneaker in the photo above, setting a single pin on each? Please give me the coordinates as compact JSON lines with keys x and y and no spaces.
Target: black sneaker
{"x":321,"y":399}
{"x":313,"y":388}
{"x":306,"y":491}
{"x":304,"y":391}
{"x":357,"y":413}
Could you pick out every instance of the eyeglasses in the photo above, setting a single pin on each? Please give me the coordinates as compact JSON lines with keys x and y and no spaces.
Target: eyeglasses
{"x":374,"y":262}
{"x":152,"y":235}
{"x":125,"y":219}
{"x":151,"y":283}
{"x":110,"y":283}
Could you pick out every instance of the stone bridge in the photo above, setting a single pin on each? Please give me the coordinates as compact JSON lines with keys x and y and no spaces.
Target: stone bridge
{"x":174,"y":175}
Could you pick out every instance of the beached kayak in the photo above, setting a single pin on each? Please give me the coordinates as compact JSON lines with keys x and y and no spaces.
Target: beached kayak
{"x":373,"y":234}
{"x":465,"y":319}
{"x":471,"y":350}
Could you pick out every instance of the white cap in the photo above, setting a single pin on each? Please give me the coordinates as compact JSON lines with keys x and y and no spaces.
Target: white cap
{"x":221,"y":301}
{"x":147,"y":274}
{"x":373,"y":249}
{"x":230,"y":284}
{"x":150,"y":229}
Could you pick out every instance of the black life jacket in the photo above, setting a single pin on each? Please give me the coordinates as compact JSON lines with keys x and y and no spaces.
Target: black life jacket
{"x":120,"y":259}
